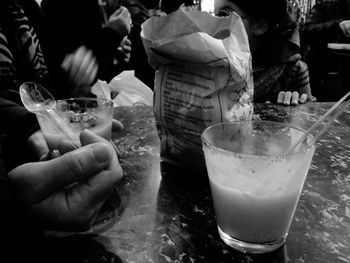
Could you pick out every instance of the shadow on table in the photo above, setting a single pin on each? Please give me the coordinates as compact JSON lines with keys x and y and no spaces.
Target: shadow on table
{"x":187,"y":224}
{"x":79,"y":249}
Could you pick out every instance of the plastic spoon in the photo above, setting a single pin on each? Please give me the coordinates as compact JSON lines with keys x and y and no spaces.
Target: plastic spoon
{"x":38,"y":100}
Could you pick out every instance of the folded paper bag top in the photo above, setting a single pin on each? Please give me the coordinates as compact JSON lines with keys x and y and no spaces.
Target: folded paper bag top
{"x":203,"y":76}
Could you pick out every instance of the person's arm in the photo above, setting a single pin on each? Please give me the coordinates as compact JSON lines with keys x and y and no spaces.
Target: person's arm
{"x":8,"y":82}
{"x":296,"y":84}
{"x":105,"y":50}
{"x":322,"y":23}
{"x":16,"y":120}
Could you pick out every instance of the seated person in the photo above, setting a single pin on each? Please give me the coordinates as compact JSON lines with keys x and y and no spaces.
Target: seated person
{"x":68,"y":25}
{"x":140,"y":12}
{"x":21,"y":57}
{"x":274,"y":43}
{"x":327,"y":22}
{"x":64,"y":193}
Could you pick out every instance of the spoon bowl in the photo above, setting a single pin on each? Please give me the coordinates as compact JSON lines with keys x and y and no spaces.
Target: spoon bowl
{"x":36,"y":98}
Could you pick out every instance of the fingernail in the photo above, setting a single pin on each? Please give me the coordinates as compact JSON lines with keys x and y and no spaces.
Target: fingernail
{"x":101,"y":152}
{"x":280,"y":97}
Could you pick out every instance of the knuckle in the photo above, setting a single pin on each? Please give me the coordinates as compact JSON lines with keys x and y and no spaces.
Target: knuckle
{"x":82,"y":221}
{"x":76,"y":166}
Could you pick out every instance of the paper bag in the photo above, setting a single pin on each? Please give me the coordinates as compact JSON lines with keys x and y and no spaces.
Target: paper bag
{"x":203,"y":76}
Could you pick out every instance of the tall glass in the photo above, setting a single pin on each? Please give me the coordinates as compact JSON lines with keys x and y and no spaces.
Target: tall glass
{"x":255,"y":186}
{"x":78,"y":114}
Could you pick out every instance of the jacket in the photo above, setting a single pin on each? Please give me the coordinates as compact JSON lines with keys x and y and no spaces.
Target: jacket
{"x":322,"y":23}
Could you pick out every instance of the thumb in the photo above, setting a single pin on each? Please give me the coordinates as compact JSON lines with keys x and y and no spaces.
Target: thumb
{"x":37,"y":181}
{"x":118,"y":11}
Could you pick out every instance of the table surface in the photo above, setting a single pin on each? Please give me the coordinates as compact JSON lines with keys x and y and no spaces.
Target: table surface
{"x":165,"y":214}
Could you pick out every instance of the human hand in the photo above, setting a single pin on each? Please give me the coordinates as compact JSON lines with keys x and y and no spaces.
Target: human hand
{"x":291,"y":59}
{"x":124,"y":50}
{"x":289,"y":98}
{"x":117,"y":126}
{"x":187,"y":7}
{"x":120,"y":21}
{"x":81,"y":68}
{"x":345,"y":27}
{"x":67,"y":193}
{"x":37,"y":144}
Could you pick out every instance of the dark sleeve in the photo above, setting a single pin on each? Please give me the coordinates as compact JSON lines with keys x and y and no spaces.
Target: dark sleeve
{"x":105,"y":50}
{"x":139,"y":60}
{"x":18,"y":230}
{"x":322,"y":23}
{"x":16,"y":120}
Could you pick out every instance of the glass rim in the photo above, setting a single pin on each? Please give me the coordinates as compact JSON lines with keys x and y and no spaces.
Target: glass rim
{"x":109,"y":102}
{"x":309,"y":148}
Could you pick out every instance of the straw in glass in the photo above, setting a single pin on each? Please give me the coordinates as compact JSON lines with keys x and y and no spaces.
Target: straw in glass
{"x":337,"y":108}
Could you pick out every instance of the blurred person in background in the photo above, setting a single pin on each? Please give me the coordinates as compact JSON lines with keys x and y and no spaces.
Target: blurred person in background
{"x":279,"y":74}
{"x":140,"y":11}
{"x":21,"y":56}
{"x":70,"y":25}
{"x":327,"y":22}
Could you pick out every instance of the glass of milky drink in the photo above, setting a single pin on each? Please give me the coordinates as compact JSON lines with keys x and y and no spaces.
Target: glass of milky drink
{"x":255,"y":186}
{"x":77,"y":114}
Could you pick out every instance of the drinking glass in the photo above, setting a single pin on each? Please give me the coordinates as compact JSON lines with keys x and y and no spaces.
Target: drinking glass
{"x":255,"y":186}
{"x":78,"y":114}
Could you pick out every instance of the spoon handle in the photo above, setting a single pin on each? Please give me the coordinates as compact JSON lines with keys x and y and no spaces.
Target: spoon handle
{"x":62,"y":127}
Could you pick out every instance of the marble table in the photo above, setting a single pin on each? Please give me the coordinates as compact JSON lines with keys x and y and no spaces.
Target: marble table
{"x":165,"y":214}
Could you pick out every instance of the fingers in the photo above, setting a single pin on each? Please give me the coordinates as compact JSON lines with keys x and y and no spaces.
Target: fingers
{"x":303,"y":98}
{"x":291,"y":59}
{"x":295,"y":98}
{"x":345,"y":27}
{"x":182,"y":6}
{"x":126,"y":41}
{"x":85,"y":63}
{"x":124,"y":50}
{"x":37,"y":143}
{"x":81,"y":67}
{"x":99,"y":186}
{"x":284,"y":98}
{"x":117,"y":126}
{"x":289,"y":98}
{"x":118,"y":11}
{"x":37,"y":181}
{"x":120,"y":21}
{"x":91,"y":70}
{"x":280,"y":97}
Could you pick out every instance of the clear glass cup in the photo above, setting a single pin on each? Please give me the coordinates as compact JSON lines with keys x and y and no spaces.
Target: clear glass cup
{"x":254,"y":185}
{"x":78,"y":114}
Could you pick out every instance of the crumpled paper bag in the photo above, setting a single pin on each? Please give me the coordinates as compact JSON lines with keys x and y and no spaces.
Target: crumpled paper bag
{"x":203,"y":76}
